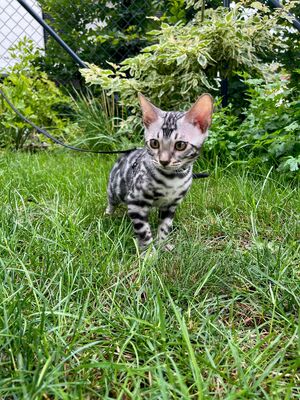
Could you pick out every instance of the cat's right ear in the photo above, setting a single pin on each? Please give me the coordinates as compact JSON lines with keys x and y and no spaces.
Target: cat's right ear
{"x":150,"y":112}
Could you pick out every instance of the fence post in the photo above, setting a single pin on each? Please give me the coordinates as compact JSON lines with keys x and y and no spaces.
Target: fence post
{"x":224,"y":82}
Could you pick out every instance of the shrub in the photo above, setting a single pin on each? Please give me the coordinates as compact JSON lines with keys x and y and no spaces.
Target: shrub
{"x":35,"y":96}
{"x":189,"y":59}
{"x":186,"y":60}
{"x":98,"y":31}
{"x":270,"y":130}
{"x":82,"y":119}
{"x":98,"y":122}
{"x":101,"y":31}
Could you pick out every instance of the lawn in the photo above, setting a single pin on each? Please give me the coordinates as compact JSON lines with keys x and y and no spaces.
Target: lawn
{"x":83,"y":317}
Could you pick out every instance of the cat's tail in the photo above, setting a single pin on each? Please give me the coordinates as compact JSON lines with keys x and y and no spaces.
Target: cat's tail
{"x":200,"y":175}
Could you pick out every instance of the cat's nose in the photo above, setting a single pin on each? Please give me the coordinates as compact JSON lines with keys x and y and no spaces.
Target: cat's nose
{"x":164,"y":163}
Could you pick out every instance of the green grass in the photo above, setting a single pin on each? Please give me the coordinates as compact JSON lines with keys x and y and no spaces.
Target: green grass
{"x":82,"y":317}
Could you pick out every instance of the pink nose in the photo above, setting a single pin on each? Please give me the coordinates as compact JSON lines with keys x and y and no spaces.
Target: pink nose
{"x":164,"y":162}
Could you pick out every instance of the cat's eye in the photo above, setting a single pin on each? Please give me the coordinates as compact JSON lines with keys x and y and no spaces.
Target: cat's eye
{"x":154,"y":143}
{"x":180,"y":146}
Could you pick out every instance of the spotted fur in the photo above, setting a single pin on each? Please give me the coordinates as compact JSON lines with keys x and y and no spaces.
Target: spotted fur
{"x":159,"y":175}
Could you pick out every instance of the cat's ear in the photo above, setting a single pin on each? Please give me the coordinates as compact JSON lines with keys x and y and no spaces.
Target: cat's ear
{"x":150,"y":112}
{"x":200,"y":113}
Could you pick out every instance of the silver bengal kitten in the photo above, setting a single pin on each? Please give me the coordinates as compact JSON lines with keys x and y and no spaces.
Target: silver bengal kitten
{"x":160,"y":174}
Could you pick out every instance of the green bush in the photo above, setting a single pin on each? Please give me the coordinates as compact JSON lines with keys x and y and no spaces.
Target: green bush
{"x":189,"y":59}
{"x":98,"y":31}
{"x":98,"y":122}
{"x":291,"y":56}
{"x":104,"y":31}
{"x":81,"y":119}
{"x":270,"y":131}
{"x":35,"y":96}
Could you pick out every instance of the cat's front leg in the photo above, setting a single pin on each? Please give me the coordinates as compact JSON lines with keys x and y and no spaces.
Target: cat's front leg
{"x":166,"y":215}
{"x":139,"y":216}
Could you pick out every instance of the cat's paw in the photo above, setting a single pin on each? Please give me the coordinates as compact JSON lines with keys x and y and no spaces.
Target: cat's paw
{"x":169,"y":247}
{"x":109,"y":210}
{"x":149,"y":253}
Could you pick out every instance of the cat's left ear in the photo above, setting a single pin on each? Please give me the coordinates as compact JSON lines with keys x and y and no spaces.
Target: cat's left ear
{"x":200,"y":114}
{"x":150,"y":112}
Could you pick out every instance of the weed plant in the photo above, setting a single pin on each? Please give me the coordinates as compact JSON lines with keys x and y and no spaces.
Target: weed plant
{"x":98,"y":119}
{"x":83,"y":317}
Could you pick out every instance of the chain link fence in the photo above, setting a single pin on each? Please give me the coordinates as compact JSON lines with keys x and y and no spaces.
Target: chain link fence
{"x":100,"y":32}
{"x":15,"y":24}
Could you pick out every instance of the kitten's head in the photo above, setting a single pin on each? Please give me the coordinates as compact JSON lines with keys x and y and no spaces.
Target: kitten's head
{"x":174,"y":139}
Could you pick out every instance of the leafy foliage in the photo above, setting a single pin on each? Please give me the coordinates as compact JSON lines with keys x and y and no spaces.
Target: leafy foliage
{"x":270,"y":130}
{"x":290,"y":56}
{"x":35,"y":96}
{"x":98,"y":31}
{"x":183,"y":61}
{"x":98,"y":121}
{"x":104,"y":31}
{"x":82,"y":119}
{"x":187,"y":59}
